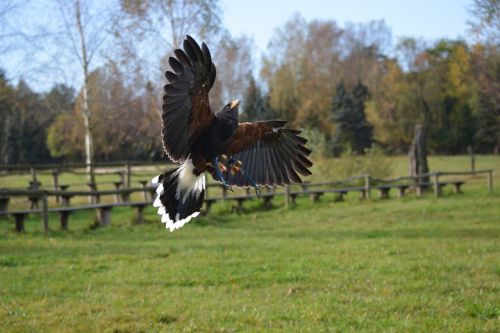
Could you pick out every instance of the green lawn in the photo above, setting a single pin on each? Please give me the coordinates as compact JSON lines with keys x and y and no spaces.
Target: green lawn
{"x":410,"y":265}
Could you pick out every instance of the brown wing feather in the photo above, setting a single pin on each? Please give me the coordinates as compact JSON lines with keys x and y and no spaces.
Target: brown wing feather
{"x":247,"y":134}
{"x":271,"y":154}
{"x":186,"y":106}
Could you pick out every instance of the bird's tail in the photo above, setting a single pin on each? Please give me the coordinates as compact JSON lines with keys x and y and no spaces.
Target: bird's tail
{"x":180,"y":195}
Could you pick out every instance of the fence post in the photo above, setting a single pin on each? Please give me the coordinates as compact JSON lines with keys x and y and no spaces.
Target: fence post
{"x":129,"y":175}
{"x":45,"y":212}
{"x":122,"y":176}
{"x":287,"y":197}
{"x":33,"y":175}
{"x":472,"y":159}
{"x":55,"y":175}
{"x":4,"y":205}
{"x":118,"y":186}
{"x":419,"y":189}
{"x":34,"y":184}
{"x":93,"y":197}
{"x":367,"y":187}
{"x":490,"y":180}
{"x":144,"y":184}
{"x":437,"y":188}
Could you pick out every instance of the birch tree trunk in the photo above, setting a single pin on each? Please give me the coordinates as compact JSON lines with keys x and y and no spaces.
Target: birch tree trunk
{"x":85,"y":109}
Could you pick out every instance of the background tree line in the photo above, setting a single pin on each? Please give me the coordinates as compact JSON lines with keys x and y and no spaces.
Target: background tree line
{"x":349,"y":87}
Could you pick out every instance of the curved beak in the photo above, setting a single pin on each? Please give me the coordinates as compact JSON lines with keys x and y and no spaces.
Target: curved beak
{"x":234,"y":103}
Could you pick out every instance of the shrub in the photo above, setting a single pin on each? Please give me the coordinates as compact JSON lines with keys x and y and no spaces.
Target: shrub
{"x":373,"y":163}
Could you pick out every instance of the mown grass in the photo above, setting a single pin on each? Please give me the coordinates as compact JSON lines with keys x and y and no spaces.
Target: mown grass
{"x":410,"y":265}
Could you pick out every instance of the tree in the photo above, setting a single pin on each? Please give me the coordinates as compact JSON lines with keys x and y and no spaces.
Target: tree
{"x":148,"y":31}
{"x":485,"y":21}
{"x":25,"y":117}
{"x":233,"y":59}
{"x":78,"y":33}
{"x":7,"y":109}
{"x":486,"y":74}
{"x":255,"y":105}
{"x":392,"y":111}
{"x":122,"y":121}
{"x":449,"y":92}
{"x":485,"y":29}
{"x":351,"y":127}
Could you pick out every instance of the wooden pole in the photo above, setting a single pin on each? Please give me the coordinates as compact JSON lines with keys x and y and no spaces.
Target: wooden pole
{"x":63,"y":218}
{"x":144,"y":184}
{"x":367,"y":187}
{"x":34,"y":185}
{"x":45,"y":212}
{"x":19,"y":222}
{"x":490,"y":180}
{"x":287,"y":197}
{"x":122,"y":176}
{"x":129,"y":175}
{"x":33,"y":175}
{"x":4,"y":205}
{"x":437,"y":188}
{"x":472,"y":159}
{"x":55,"y":176}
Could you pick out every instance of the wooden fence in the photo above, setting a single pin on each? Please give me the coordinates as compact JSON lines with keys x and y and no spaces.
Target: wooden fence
{"x":39,"y":198}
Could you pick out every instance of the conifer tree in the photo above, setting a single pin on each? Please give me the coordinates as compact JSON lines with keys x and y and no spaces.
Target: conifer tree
{"x":352,"y":129}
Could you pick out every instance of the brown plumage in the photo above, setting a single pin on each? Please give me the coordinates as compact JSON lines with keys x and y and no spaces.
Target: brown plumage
{"x":259,"y":153}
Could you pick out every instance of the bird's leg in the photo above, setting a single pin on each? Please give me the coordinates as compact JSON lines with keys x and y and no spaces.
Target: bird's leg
{"x":219,"y":166}
{"x":250,"y":179}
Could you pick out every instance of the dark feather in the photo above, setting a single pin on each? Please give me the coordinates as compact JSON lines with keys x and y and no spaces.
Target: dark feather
{"x":183,"y":59}
{"x":186,"y":106}
{"x":196,"y":48}
{"x":271,"y":154}
{"x":171,"y":77}
{"x":176,"y":65}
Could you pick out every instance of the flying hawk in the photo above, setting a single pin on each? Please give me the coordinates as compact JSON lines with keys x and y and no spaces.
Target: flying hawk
{"x":262,"y":153}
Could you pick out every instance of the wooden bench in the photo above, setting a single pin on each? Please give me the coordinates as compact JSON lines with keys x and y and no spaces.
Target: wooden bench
{"x":34,"y":185}
{"x":361,"y":190}
{"x":144,"y":184}
{"x":118,"y":186}
{"x":457,"y":185}
{"x":4,"y":205}
{"x":315,"y":195}
{"x":103,"y":213}
{"x":267,"y":200}
{"x":421,"y":187}
{"x":385,"y":189}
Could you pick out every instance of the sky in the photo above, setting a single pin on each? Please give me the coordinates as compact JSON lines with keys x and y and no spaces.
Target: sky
{"x":427,"y":19}
{"x":258,"y":19}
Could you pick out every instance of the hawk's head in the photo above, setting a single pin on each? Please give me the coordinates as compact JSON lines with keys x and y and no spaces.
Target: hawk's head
{"x":232,"y":106}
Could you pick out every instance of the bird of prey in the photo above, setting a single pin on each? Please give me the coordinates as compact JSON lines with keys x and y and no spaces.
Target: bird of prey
{"x":249,"y":154}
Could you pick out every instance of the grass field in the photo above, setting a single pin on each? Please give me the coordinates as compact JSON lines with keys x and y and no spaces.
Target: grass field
{"x":410,"y":265}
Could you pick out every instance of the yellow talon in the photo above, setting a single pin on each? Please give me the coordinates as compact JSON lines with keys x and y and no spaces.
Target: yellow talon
{"x":235,"y":169}
{"x":222,"y":167}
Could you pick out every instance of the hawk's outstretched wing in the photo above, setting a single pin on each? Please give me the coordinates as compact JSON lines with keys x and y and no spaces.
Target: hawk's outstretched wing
{"x":186,"y":107}
{"x":271,"y":154}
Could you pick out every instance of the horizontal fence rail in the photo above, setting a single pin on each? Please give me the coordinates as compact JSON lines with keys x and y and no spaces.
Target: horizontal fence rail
{"x":364,"y":184}
{"x":28,"y":167}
